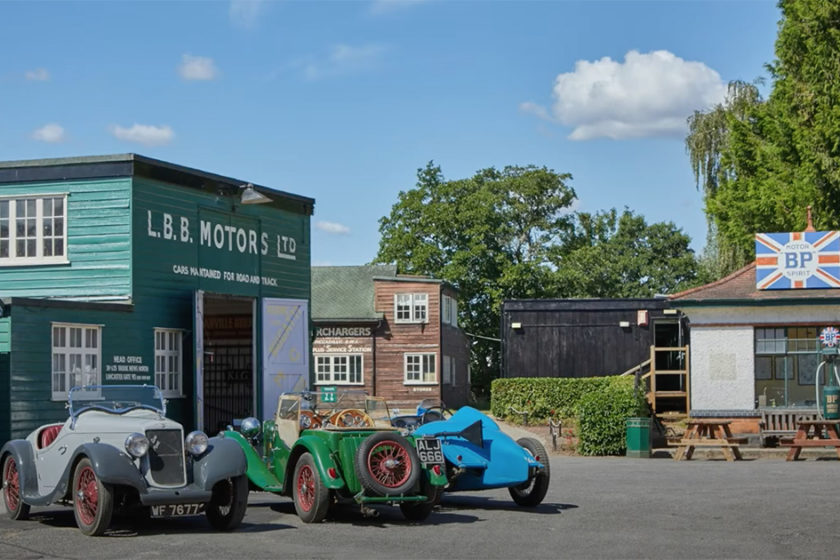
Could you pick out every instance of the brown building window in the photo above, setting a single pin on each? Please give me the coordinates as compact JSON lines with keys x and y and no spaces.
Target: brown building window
{"x":343,"y":369}
{"x":411,"y":308}
{"x":420,"y":369}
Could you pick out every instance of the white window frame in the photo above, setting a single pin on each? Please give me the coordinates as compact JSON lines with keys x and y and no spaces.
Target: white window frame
{"x":411,"y":308}
{"x":78,"y":346}
{"x":169,"y":361}
{"x":10,"y":240}
{"x":449,"y":311}
{"x":415,"y":373}
{"x":329,"y":369}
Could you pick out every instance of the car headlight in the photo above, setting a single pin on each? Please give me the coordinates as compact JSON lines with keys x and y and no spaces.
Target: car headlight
{"x":196,"y":442}
{"x":136,"y":445}
{"x":250,"y":427}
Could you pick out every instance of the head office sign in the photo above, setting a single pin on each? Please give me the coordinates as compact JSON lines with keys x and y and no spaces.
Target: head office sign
{"x":801,"y":260}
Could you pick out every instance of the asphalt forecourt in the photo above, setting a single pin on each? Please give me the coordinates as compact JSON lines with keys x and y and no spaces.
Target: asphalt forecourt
{"x":595,"y":508}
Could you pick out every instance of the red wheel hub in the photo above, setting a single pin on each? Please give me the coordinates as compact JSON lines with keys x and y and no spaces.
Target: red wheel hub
{"x":86,"y":497}
{"x":11,"y":485}
{"x":389,"y":464}
{"x":306,"y":487}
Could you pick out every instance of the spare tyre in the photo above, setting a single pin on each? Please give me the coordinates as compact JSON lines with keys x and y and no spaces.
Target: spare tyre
{"x":387,"y":464}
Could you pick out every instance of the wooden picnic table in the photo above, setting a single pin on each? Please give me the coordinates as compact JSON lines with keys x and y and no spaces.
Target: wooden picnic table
{"x":708,"y":432}
{"x":809,"y":433}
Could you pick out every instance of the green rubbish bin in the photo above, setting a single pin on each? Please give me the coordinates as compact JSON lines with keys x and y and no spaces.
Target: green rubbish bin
{"x":638,"y":437}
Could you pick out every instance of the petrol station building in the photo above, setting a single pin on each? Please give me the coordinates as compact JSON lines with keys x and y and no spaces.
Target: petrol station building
{"x":755,"y":334}
{"x":126,"y":269}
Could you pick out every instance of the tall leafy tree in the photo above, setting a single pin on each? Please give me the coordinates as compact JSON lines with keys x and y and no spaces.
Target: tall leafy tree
{"x":510,"y":234}
{"x":490,"y":235}
{"x":612,"y":255}
{"x":761,"y":163}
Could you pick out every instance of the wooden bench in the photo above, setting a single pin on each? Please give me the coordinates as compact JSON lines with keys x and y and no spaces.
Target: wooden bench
{"x":781,"y":423}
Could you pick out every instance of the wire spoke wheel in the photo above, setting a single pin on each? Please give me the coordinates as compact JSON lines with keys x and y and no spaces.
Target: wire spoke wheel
{"x":93,"y":500}
{"x":15,"y":508}
{"x":87,"y":496}
{"x":306,"y":487}
{"x":312,"y":498}
{"x":389,"y":464}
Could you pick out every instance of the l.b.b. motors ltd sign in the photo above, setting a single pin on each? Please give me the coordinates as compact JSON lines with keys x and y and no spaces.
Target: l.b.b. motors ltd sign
{"x":788,"y":261}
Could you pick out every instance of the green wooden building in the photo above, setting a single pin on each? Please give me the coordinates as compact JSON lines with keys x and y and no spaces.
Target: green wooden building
{"x":126,"y":269}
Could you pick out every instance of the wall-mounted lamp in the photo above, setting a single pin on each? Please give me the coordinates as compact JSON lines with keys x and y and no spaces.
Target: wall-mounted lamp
{"x":669,"y":311}
{"x":624,"y":324}
{"x":516,"y":325}
{"x":251,"y":196}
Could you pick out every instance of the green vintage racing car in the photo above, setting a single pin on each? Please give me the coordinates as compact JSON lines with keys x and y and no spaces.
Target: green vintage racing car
{"x":321,"y":448}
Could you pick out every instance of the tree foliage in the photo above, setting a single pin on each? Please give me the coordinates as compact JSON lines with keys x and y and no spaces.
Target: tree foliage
{"x":511,"y":234}
{"x":761,"y":162}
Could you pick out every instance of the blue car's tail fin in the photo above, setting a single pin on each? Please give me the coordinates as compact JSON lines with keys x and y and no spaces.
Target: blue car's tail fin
{"x":472,"y":433}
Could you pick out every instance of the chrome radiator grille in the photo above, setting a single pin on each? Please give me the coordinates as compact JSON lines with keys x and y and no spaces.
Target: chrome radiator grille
{"x":166,"y":457}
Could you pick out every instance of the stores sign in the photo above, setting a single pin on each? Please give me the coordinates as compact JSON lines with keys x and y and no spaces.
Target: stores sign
{"x":801,"y":260}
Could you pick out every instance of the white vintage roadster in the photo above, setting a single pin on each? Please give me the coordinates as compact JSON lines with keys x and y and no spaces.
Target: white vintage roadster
{"x":118,"y":450}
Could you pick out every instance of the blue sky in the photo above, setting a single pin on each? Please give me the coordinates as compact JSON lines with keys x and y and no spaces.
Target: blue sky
{"x":343,"y":101}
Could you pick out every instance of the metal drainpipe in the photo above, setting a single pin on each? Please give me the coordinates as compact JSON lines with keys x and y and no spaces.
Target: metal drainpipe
{"x":373,"y":357}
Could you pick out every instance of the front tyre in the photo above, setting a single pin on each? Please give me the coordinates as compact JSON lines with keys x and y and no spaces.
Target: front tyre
{"x":531,"y":492}
{"x":228,"y":504}
{"x":15,"y":508}
{"x":312,"y":498}
{"x":93,"y":500}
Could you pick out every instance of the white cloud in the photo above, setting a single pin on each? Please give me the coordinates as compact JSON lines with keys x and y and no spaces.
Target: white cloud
{"x":332,"y":227}
{"x":246,"y":13}
{"x":197,"y":68}
{"x":51,"y":132}
{"x":37,"y":75}
{"x":648,"y":94}
{"x":344,"y":59}
{"x":386,"y":6}
{"x":148,"y":135}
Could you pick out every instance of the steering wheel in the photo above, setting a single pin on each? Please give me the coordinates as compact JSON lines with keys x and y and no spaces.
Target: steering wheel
{"x":309,"y":420}
{"x":434,"y":414}
{"x":351,"y":418}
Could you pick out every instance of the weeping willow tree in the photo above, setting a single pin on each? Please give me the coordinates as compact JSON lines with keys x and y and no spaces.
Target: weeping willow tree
{"x":759,"y":162}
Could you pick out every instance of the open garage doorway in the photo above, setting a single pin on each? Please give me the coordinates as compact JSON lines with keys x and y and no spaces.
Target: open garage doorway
{"x":228,"y":360}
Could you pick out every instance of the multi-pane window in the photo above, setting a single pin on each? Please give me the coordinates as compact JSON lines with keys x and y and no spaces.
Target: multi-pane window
{"x":411,"y":308}
{"x":168,"y":362}
{"x":420,"y":368}
{"x":345,"y":369}
{"x":786,"y":363}
{"x":33,"y":230}
{"x":449,"y":311}
{"x":76,"y":355}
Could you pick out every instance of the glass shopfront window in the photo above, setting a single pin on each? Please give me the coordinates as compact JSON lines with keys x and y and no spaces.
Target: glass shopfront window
{"x":786,"y":361}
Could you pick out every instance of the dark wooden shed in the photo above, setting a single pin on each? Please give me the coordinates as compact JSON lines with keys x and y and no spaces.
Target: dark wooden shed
{"x":589,"y":337}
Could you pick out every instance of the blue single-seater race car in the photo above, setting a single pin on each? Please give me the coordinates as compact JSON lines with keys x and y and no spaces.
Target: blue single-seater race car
{"x":480,"y":456}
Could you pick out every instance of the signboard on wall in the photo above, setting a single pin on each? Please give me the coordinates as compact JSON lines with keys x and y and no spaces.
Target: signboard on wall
{"x":800,"y":260}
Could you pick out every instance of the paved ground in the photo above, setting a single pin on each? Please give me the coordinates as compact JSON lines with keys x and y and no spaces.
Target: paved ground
{"x":595,"y":508}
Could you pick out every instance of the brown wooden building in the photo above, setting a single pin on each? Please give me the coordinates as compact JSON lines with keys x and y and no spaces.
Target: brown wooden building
{"x":393,"y":335}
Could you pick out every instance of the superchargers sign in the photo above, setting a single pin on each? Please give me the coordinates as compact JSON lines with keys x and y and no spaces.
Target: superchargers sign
{"x":800,"y":260}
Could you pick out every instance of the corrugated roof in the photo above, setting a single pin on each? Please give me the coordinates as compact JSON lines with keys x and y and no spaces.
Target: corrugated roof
{"x":345,"y":293}
{"x":739,"y":288}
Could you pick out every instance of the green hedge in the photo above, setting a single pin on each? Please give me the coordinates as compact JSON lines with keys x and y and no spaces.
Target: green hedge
{"x":544,"y":397}
{"x":602,"y":419}
{"x":601,"y":406}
